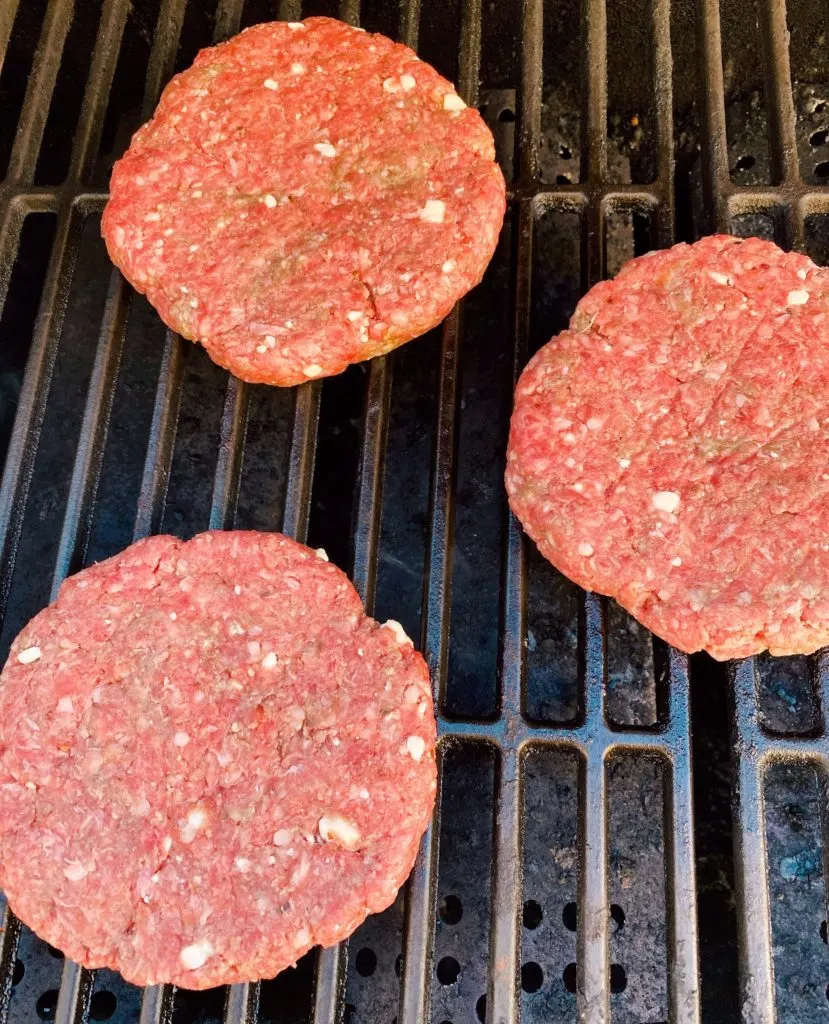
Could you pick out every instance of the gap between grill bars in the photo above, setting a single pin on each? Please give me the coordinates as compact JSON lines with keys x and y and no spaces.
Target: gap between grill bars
{"x":790,"y":200}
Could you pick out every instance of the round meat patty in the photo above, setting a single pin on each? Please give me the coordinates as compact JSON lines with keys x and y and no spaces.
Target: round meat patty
{"x":210,"y":760}
{"x":306,"y":196}
{"x":671,"y":449}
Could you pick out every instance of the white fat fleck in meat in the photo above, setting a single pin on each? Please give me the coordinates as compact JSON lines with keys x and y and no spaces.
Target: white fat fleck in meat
{"x":451,"y":101}
{"x":29,"y":655}
{"x":812,"y":423}
{"x":269,"y":661}
{"x":624,"y":463}
{"x":297,"y":69}
{"x":269,"y":201}
{"x":282,"y":837}
{"x":594,"y":423}
{"x":408,"y":82}
{"x":302,"y":938}
{"x":312,"y":370}
{"x":333,"y":828}
{"x":242,"y":864}
{"x":433,"y":212}
{"x":448,"y":266}
{"x":697,"y":599}
{"x":676,"y":561}
{"x":391,"y":84}
{"x":254,"y":648}
{"x":665,"y":501}
{"x":354,"y":315}
{"x":715,"y":275}
{"x":261,"y":348}
{"x":325,"y":149}
{"x":75,"y":871}
{"x":321,"y":553}
{"x":65,"y":705}
{"x":196,"y":819}
{"x":399,"y":632}
{"x":416,"y":747}
{"x":585,"y":549}
{"x":295,"y":26}
{"x":798,"y":297}
{"x":181,"y":739}
{"x":196,"y":954}
{"x":173,"y":616}
{"x":269,"y":83}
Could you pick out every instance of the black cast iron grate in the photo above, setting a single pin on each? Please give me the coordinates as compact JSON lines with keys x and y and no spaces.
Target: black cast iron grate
{"x":505,"y":727}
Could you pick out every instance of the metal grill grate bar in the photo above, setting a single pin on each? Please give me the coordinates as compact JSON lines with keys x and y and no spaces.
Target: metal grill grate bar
{"x":39,"y":91}
{"x":756,"y":970}
{"x":92,"y":438}
{"x":162,"y":438}
{"x":157,"y":1004}
{"x":9,"y":938}
{"x":31,"y":408}
{"x":715,"y":177}
{"x":780,"y":102}
{"x":8,"y":12}
{"x":417,"y":949}
{"x":683,"y":939}
{"x":98,"y":83}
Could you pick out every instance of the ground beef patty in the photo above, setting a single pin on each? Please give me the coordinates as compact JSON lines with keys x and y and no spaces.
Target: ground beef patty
{"x":306,"y":196}
{"x":210,"y":760}
{"x":671,"y":450}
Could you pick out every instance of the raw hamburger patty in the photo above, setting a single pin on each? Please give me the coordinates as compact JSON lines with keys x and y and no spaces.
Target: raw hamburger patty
{"x":306,"y":196}
{"x":670,"y":449}
{"x":210,"y":760}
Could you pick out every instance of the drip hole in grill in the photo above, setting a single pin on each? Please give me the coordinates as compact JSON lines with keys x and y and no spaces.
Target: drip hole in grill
{"x":532,"y":977}
{"x":102,"y":1005}
{"x":617,"y":916}
{"x":47,"y":1004}
{"x":480,"y":1009}
{"x":618,"y":979}
{"x":822,"y":169}
{"x":823,"y":932}
{"x":570,"y":977}
{"x":366,"y":962}
{"x":398,"y":965}
{"x":20,"y":970}
{"x":745,"y":162}
{"x":448,"y":970}
{"x":562,"y":179}
{"x":533,"y":914}
{"x":819,"y":138}
{"x":569,"y":916}
{"x":565,"y":152}
{"x":450,"y":909}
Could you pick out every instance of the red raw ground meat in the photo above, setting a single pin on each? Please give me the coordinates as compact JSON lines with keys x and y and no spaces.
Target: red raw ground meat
{"x":671,"y":449}
{"x":210,"y":760}
{"x":306,"y":196}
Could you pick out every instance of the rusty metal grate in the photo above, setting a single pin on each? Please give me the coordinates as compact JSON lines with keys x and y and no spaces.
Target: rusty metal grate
{"x":510,"y":731}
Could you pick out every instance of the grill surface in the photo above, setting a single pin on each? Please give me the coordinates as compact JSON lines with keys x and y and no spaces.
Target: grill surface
{"x":559,"y":879}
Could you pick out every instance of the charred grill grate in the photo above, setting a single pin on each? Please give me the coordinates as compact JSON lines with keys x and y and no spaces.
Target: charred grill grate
{"x":512,"y":733}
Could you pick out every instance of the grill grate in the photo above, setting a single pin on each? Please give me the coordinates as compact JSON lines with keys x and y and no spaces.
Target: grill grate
{"x":511,"y":737}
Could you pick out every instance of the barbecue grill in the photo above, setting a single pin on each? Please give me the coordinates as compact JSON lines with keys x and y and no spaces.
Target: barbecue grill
{"x":580,"y":866}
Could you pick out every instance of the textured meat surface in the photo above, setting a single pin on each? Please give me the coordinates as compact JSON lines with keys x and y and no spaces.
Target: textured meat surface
{"x":210,"y":760}
{"x":306,"y":196}
{"x":670,"y":449}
